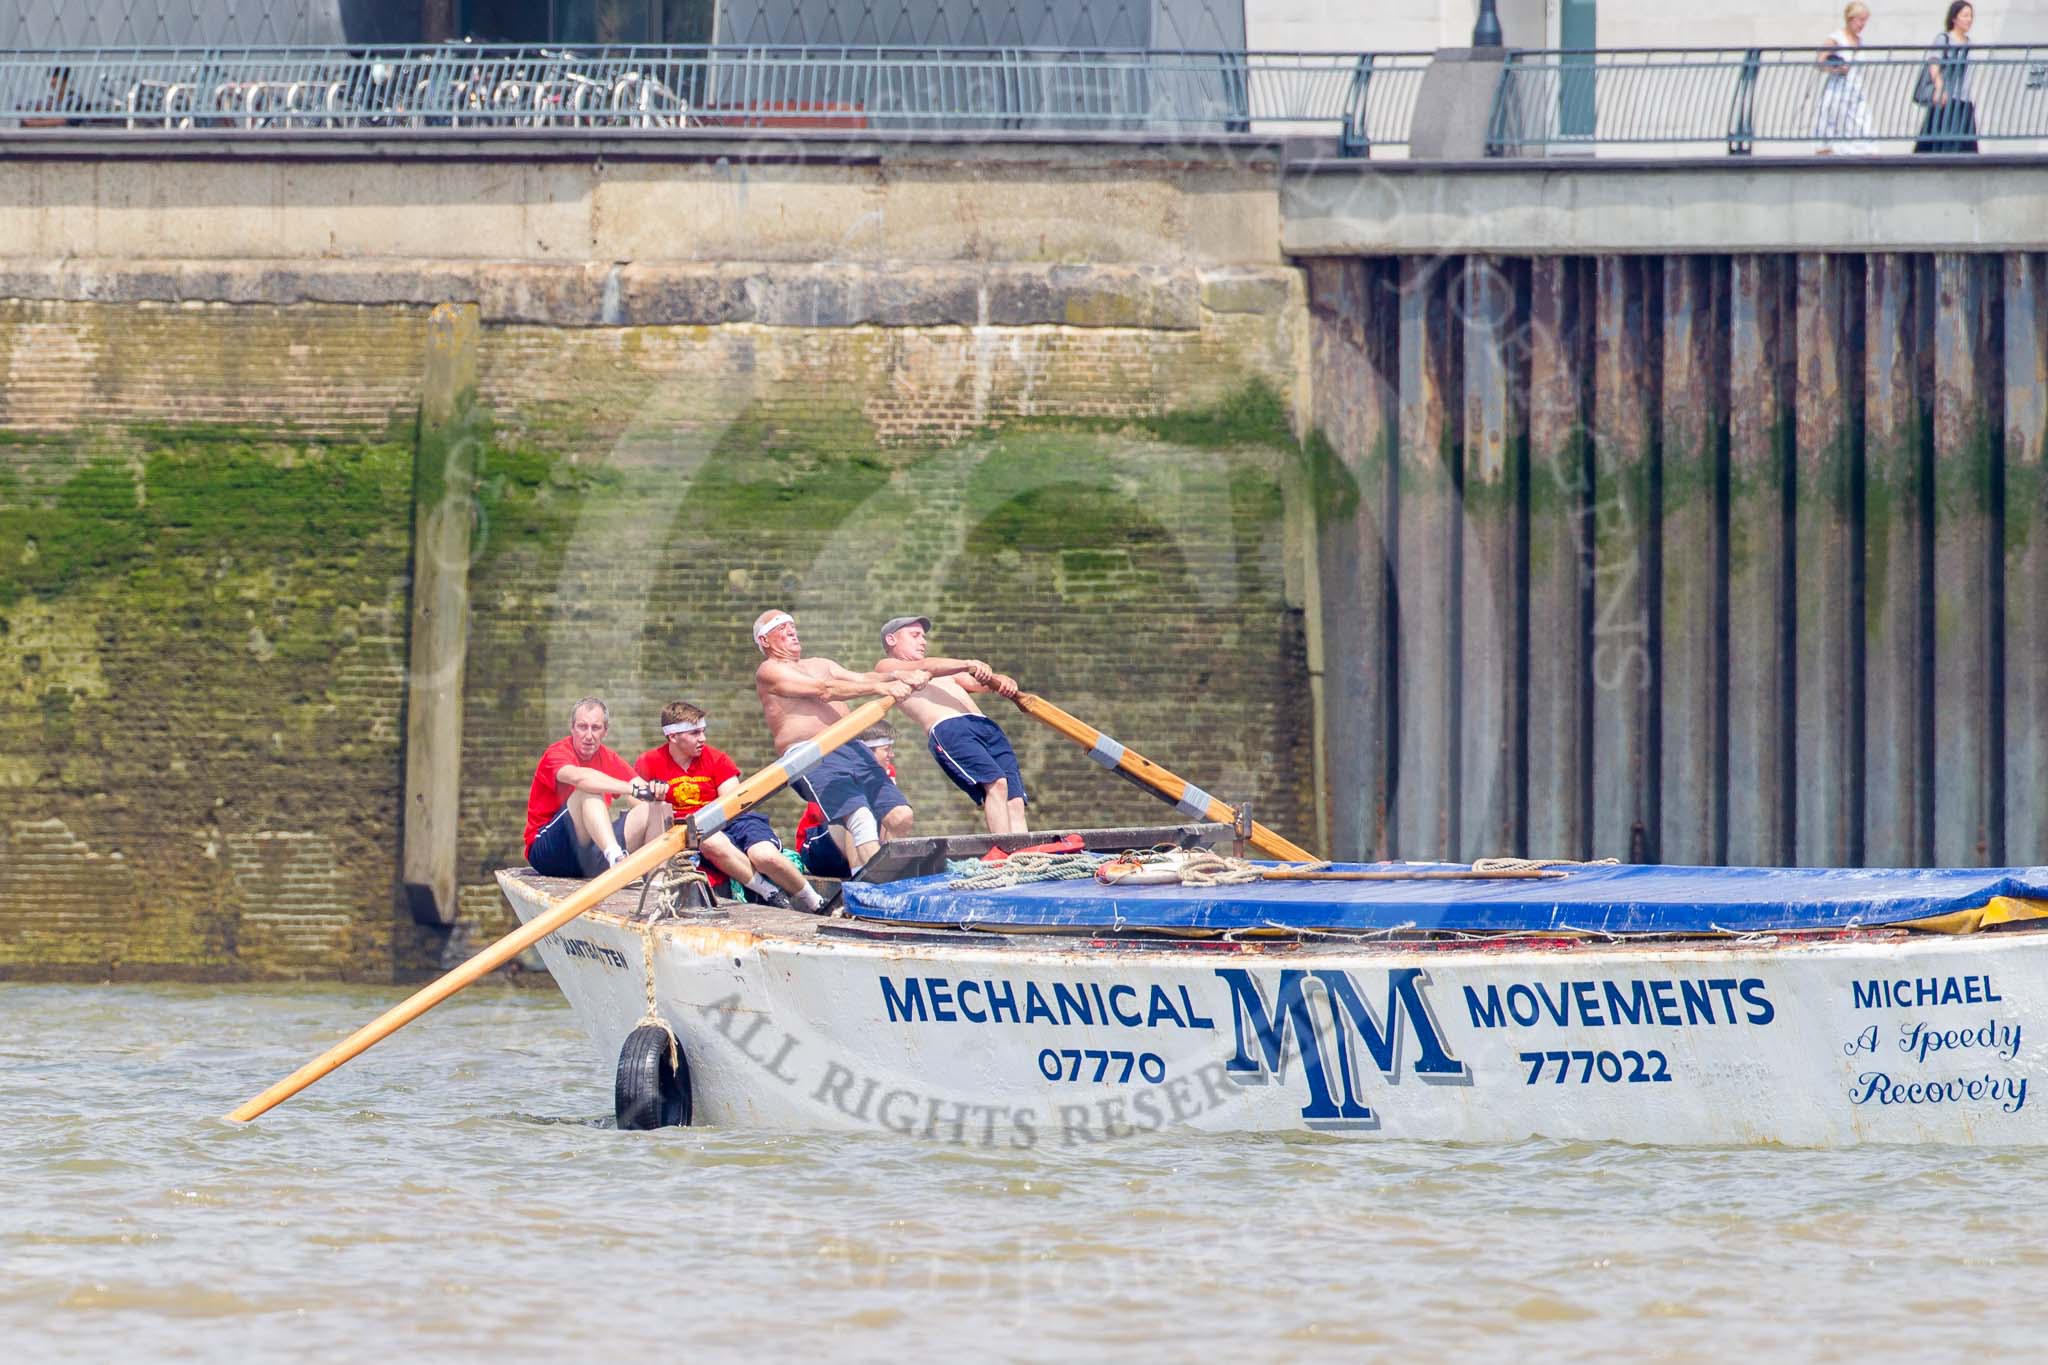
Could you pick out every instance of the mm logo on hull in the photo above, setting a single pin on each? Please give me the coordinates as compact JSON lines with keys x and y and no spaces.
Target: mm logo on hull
{"x":1335,"y":1032}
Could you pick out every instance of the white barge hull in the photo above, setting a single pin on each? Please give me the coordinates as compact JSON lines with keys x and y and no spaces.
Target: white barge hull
{"x":1824,"y":1040}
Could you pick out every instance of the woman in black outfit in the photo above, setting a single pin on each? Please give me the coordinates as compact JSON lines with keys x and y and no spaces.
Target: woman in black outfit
{"x":1951,"y":123}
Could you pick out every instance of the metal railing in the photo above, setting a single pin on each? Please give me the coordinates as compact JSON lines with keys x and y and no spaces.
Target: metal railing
{"x":1739,"y":99}
{"x":1366,"y":100}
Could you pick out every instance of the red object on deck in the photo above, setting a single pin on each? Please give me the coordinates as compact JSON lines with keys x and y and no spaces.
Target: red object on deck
{"x":1072,"y":843}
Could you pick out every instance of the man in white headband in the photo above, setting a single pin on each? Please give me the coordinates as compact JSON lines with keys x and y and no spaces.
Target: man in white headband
{"x":693,"y":775}
{"x":799,"y":698}
{"x":970,"y":749}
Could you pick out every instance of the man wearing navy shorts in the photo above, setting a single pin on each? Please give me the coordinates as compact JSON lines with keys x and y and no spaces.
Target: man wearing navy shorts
{"x":694,"y":774}
{"x":814,"y":841}
{"x":969,"y":748}
{"x":799,"y":698}
{"x":570,"y":831}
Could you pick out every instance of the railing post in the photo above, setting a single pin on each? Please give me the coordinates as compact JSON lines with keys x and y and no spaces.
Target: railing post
{"x":1356,"y":138}
{"x":1742,"y":118}
{"x":1503,"y":135}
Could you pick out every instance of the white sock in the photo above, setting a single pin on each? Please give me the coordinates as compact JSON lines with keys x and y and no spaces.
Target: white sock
{"x":760,"y":885}
{"x":807,"y":899}
{"x":613,"y":855}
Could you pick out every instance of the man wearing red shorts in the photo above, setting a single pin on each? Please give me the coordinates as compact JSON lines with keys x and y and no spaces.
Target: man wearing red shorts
{"x":694,"y":774}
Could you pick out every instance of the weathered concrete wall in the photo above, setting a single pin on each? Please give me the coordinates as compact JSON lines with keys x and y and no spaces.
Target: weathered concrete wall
{"x":1746,"y":550}
{"x":204,"y":509}
{"x":597,"y":202}
{"x":1710,"y":204}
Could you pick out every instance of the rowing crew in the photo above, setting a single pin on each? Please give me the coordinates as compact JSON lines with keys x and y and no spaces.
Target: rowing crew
{"x":571,"y":832}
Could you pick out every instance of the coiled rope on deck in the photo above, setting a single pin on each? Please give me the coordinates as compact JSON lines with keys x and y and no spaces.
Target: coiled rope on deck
{"x":1538,"y":864}
{"x":1206,"y":868}
{"x":1021,"y":868}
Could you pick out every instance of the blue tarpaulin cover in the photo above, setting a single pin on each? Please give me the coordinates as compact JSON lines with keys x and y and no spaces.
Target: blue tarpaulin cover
{"x":1612,"y":900}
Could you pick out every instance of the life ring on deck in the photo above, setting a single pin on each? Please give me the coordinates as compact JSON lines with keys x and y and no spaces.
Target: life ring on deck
{"x":1142,"y":869}
{"x":649,"y":1091}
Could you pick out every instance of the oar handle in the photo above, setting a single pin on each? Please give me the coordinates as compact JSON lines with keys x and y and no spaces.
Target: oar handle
{"x":1184,"y":795}
{"x":635,"y":864}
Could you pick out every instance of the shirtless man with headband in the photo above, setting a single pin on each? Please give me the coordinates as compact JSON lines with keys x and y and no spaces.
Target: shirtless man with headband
{"x":799,"y":698}
{"x":969,"y":748}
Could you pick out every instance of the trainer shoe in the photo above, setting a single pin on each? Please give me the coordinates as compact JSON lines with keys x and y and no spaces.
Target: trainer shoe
{"x":776,"y":898}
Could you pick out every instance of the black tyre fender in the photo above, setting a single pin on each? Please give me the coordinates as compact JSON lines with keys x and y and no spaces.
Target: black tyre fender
{"x":649,"y":1092}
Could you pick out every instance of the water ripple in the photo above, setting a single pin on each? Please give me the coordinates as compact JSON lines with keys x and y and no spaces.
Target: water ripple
{"x":460,"y":1192}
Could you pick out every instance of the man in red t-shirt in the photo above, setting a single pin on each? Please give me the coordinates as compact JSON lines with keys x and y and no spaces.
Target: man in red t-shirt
{"x":570,"y":831}
{"x":694,"y":774}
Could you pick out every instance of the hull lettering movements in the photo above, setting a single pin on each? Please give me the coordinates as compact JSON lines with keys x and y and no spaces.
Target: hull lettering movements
{"x":1907,"y":992}
{"x":1679,"y":1003}
{"x":1262,"y":1035}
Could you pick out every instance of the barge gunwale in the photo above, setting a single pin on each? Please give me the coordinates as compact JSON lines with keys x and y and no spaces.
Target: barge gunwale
{"x":770,"y":926}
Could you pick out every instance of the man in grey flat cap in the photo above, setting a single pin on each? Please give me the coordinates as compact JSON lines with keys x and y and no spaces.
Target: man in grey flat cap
{"x":969,"y":748}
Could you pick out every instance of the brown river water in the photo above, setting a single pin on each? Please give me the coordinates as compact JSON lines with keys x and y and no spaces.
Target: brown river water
{"x":459,"y":1192}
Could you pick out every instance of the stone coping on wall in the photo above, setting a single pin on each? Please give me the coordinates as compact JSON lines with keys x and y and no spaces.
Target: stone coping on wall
{"x":571,"y":201}
{"x":1591,"y":206}
{"x":710,"y":294}
{"x":821,"y":146}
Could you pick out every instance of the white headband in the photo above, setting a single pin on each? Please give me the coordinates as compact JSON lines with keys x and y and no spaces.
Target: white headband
{"x":684,"y":727}
{"x":780,"y":618}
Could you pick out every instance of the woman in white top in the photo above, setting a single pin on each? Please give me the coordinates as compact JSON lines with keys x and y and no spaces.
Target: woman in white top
{"x":1842,"y":118}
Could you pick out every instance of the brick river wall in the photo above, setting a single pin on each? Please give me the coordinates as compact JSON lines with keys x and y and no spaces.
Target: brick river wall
{"x":204,"y":523}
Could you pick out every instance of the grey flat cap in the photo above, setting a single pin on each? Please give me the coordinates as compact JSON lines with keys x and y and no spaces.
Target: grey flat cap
{"x":899,"y":622}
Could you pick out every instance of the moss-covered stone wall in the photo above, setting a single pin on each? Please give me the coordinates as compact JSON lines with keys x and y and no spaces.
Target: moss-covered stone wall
{"x":203,"y":614}
{"x":204,"y":532}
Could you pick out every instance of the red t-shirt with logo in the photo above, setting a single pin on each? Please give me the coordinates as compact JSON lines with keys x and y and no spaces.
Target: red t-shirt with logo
{"x":546,"y":799}
{"x":692,"y":787}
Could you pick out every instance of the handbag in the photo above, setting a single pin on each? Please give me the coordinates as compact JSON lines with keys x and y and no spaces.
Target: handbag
{"x":1923,"y":89}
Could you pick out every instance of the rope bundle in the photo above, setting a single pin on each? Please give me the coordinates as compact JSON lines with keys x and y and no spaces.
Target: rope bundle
{"x":1538,"y":864}
{"x":1021,"y":868}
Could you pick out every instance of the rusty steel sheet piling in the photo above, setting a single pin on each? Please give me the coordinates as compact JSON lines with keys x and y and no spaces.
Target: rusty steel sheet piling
{"x":1353,"y":352}
{"x":1426,"y":565}
{"x":1560,"y":564}
{"x":1493,"y":617}
{"x":2025,"y":563}
{"x":1624,"y":526}
{"x":1968,"y":714}
{"x":1762,"y":382}
{"x":1898,"y":801}
{"x":1691,"y":466}
{"x":1700,"y":558}
{"x":1825,"y":815}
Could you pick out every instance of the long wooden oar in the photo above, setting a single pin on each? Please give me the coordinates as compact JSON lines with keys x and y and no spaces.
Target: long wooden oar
{"x":1181,"y":793}
{"x":756,"y":789}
